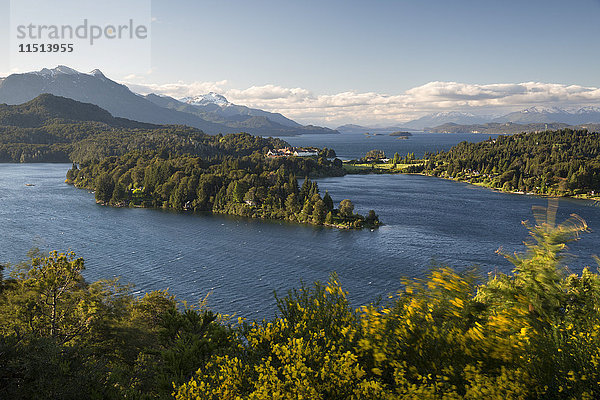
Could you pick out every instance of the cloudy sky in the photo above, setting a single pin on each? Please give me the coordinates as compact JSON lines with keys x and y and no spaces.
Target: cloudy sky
{"x":368,"y":62}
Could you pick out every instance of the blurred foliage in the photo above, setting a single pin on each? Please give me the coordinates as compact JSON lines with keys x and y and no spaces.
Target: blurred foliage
{"x":531,"y":334}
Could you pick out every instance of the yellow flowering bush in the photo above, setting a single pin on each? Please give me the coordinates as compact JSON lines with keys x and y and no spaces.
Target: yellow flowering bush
{"x":530,"y":334}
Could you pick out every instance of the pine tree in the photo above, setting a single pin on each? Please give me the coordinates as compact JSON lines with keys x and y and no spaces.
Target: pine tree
{"x":328,"y":201}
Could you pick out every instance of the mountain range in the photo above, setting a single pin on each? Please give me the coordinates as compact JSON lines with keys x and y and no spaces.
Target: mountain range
{"x":211,"y":113}
{"x":530,"y":119}
{"x":353,"y":128}
{"x":47,"y":109}
{"x":576,"y":116}
{"x":52,"y":128}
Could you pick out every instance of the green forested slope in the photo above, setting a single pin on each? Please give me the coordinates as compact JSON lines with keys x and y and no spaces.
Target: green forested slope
{"x":562,"y":163}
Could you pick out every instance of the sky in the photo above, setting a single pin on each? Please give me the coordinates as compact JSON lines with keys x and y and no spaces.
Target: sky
{"x":367,"y":62}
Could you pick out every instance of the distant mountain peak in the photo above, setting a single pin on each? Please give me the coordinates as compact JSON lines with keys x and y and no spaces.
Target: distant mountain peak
{"x":61,"y":69}
{"x":64,"y":70}
{"x":587,"y":109}
{"x":453,"y":114}
{"x":97,"y":73}
{"x":542,"y":110}
{"x":208,"y":98}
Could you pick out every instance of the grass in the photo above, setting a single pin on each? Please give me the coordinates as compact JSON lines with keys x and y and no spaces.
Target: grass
{"x":380,"y":168}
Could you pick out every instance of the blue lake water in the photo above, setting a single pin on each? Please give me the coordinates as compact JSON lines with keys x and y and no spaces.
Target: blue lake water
{"x":353,"y":146}
{"x":241,"y":262}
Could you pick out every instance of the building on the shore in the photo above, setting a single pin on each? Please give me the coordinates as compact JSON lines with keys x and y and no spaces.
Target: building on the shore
{"x":293,"y":151}
{"x":309,"y":152}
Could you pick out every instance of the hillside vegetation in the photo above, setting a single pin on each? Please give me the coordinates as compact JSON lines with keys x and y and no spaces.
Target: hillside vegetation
{"x":56,"y":129}
{"x":554,"y":163}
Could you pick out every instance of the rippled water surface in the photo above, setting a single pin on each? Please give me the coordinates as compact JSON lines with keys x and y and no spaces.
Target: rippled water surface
{"x":241,"y":262}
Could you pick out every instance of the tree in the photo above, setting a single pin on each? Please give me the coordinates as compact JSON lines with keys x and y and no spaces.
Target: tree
{"x":72,"y":173}
{"x":239,"y":191}
{"x":53,"y":300}
{"x":376,"y":154}
{"x":119,"y":194}
{"x":372,"y":218}
{"x":328,"y":201}
{"x":319,"y":210}
{"x":346,"y":208}
{"x":305,"y":189}
{"x":291,"y":203}
{"x":104,"y":188}
{"x":307,"y":210}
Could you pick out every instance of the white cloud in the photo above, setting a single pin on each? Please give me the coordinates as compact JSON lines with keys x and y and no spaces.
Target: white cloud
{"x":177,"y":89}
{"x":370,"y":107}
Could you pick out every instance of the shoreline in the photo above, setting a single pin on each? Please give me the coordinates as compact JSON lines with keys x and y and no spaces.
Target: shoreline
{"x":499,"y":190}
{"x":348,"y":226}
{"x":387,"y":171}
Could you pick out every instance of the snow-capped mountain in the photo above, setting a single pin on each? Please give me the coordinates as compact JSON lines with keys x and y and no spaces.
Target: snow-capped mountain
{"x":532,"y":115}
{"x":216,"y":108}
{"x":585,"y":110}
{"x":204,"y":99}
{"x":61,"y":69}
{"x":211,"y":112}
{"x":440,"y":118}
{"x":220,"y":108}
{"x":537,"y":114}
{"x":95,"y":88}
{"x":64,"y":70}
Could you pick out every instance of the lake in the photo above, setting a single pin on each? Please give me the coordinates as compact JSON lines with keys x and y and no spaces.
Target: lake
{"x":353,"y":146}
{"x":240,"y":262}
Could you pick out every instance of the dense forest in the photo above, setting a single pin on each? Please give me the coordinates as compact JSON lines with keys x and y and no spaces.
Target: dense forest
{"x":529,"y":334}
{"x":251,"y":186}
{"x":554,"y":163}
{"x":56,"y":129}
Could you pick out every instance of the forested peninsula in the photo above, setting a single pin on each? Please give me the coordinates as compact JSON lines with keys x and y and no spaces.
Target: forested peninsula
{"x":563,"y":163}
{"x":251,"y":186}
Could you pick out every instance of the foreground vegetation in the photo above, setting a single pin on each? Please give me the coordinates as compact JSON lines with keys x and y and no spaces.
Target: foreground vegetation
{"x":530,"y":334}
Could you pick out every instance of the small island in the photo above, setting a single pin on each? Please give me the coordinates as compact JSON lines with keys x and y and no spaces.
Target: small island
{"x":376,"y":162}
{"x":401,"y":134}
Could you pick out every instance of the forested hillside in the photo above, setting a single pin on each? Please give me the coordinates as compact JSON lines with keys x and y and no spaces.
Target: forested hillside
{"x":56,"y":129}
{"x":556,"y":163}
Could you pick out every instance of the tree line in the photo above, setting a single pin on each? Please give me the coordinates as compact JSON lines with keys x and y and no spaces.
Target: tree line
{"x":554,"y":163}
{"x":252,"y":186}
